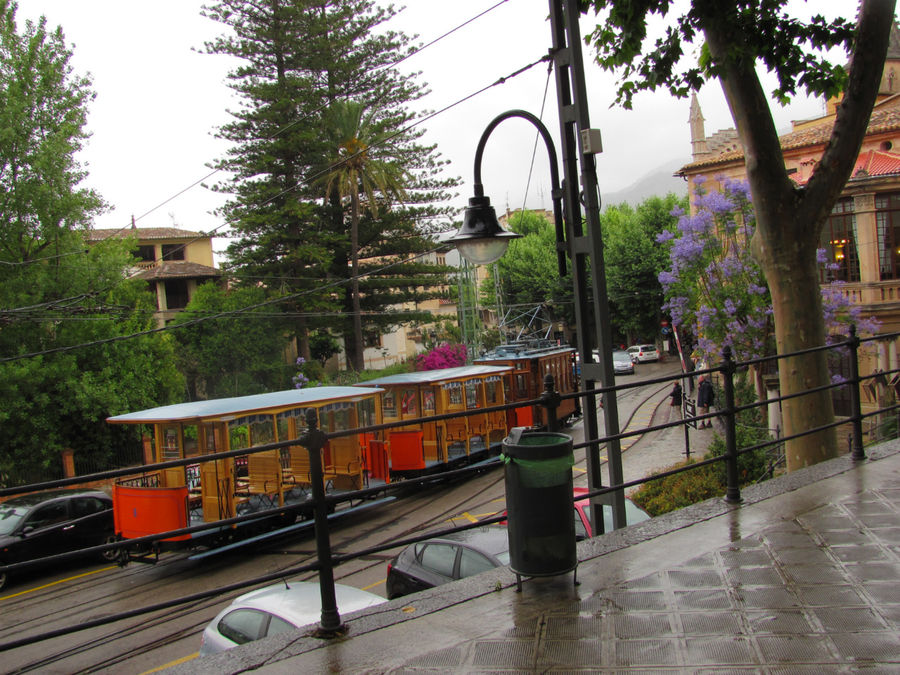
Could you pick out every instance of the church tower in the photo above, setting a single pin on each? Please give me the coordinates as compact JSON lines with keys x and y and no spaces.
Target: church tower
{"x":699,"y":146}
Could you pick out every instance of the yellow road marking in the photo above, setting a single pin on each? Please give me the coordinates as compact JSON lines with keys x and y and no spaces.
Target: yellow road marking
{"x":183,"y":659}
{"x":377,"y":583}
{"x":61,"y":581}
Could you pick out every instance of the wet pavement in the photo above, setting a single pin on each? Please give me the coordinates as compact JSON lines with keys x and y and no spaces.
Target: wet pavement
{"x":800,"y":577}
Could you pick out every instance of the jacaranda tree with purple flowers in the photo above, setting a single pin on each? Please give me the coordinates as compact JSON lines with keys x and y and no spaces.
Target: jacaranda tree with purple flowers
{"x":713,"y":287}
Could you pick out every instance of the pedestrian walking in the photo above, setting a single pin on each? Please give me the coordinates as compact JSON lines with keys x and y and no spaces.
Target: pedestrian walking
{"x":704,"y":400}
{"x":676,"y":395}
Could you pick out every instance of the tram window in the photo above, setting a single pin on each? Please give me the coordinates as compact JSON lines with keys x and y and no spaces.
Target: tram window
{"x":455,"y":394}
{"x":190,"y":440}
{"x":428,"y":400}
{"x":170,"y":444}
{"x":389,"y":404}
{"x":472,"y":398}
{"x":521,"y":386}
{"x":365,"y":411}
{"x":471,"y":563}
{"x":261,"y":430}
{"x":491,"y":392}
{"x":408,"y":403}
{"x":243,"y":625}
{"x":239,"y":434}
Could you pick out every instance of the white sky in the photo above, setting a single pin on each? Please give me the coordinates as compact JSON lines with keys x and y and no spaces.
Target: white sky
{"x":159,"y":102}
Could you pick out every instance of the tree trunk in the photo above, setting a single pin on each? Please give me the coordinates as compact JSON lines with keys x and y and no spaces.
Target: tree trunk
{"x":359,"y":359}
{"x":797,"y":305}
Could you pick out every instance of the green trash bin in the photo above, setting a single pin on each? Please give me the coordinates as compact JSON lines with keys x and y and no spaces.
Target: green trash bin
{"x":539,"y":495}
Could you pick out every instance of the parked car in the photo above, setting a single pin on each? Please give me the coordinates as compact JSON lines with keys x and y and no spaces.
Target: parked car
{"x":42,"y":524}
{"x":622,"y":363}
{"x":633,"y":514}
{"x":430,"y":563}
{"x":643,"y":353}
{"x":277,"y":609}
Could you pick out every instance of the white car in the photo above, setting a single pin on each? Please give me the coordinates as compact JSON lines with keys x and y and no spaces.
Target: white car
{"x":277,"y":609}
{"x":643,"y":353}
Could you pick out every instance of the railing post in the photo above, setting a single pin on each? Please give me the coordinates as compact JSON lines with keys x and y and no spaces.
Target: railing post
{"x":550,"y":399}
{"x":856,"y":442}
{"x":314,"y":440}
{"x":732,"y":490}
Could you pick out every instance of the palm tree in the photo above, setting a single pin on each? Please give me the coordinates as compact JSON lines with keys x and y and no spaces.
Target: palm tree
{"x":361,"y":173}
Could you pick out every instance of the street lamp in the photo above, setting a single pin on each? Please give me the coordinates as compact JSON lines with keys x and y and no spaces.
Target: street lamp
{"x":481,"y":240}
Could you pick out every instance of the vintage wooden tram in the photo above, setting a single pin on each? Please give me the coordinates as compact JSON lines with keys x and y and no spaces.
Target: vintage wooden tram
{"x":429,"y":446}
{"x":204,"y":491}
{"x":208,"y":491}
{"x":529,"y":363}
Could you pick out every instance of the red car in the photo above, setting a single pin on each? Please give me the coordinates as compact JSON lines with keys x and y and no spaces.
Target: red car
{"x":633,"y":515}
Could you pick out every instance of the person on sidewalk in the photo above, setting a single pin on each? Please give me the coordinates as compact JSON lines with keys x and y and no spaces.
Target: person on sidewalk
{"x":677,"y":396}
{"x":704,"y":400}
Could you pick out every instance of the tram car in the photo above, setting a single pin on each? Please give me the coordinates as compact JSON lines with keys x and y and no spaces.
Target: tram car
{"x":208,"y":491}
{"x":430,"y":446}
{"x":530,"y":362}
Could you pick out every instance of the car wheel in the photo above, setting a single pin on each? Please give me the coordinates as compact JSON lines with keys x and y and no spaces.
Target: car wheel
{"x":4,"y":577}
{"x":111,"y":554}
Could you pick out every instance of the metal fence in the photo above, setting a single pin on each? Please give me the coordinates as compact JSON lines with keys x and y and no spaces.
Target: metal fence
{"x":882,"y":419}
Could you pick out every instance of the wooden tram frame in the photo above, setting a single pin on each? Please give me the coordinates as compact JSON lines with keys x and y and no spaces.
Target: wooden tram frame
{"x":531,"y":361}
{"x":212,"y":490}
{"x":430,"y":446}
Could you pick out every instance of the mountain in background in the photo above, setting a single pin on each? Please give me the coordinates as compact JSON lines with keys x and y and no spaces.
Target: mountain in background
{"x":658,"y":183}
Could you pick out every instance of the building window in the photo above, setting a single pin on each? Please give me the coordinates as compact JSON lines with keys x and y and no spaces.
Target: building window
{"x":146,"y":253}
{"x":371,"y":338}
{"x":176,"y":294}
{"x":173,"y":251}
{"x":887,"y":220}
{"x":839,"y":242}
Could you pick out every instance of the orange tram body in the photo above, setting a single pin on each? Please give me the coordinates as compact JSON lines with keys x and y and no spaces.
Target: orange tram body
{"x":531,"y":362}
{"x":209,"y":490}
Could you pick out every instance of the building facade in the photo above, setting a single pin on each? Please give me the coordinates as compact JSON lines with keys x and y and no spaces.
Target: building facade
{"x":173,"y":261}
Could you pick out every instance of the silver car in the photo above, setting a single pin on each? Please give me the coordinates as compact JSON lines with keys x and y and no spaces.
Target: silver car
{"x":277,"y":609}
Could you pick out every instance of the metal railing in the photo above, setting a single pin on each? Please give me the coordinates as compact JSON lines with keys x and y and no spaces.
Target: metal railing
{"x":315,"y":439}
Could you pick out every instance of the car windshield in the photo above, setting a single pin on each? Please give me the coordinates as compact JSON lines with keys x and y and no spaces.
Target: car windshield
{"x":622,"y":356}
{"x":10,"y":517}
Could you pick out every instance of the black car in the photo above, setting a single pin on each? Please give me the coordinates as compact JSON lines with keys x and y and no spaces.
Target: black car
{"x":433,"y":562}
{"x":41,"y":524}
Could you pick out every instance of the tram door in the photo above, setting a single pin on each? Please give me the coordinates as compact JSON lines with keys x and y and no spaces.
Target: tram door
{"x":217,"y":486}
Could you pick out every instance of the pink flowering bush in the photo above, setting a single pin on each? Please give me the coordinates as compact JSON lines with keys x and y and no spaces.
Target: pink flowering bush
{"x":445,"y":356}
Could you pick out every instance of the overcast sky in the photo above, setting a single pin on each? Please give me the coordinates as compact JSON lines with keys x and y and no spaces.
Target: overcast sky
{"x":159,"y":102}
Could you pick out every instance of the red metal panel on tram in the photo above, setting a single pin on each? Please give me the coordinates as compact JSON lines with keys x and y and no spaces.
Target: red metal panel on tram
{"x":407,"y":453}
{"x":524,"y":416}
{"x":141,"y":511}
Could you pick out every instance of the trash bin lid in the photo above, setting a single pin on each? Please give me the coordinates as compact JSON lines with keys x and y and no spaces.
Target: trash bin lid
{"x":536,"y":445}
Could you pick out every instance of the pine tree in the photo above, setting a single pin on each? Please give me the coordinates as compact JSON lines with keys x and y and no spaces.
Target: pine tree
{"x":301,"y":58}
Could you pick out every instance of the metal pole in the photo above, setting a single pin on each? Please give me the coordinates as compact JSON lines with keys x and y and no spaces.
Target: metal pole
{"x":732,"y":490}
{"x":856,"y":438}
{"x":551,"y":400}
{"x":314,"y":440}
{"x":574,"y":123}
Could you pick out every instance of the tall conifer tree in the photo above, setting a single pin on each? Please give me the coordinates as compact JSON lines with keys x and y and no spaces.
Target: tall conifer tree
{"x":298,"y":59}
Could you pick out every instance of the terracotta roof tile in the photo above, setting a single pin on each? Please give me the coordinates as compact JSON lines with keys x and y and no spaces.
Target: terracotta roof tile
{"x":180,"y":269}
{"x":145,"y":233}
{"x":885,"y":117}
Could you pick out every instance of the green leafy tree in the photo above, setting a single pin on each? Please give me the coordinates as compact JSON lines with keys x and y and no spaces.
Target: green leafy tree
{"x":238,"y":354}
{"x":63,"y":368}
{"x":529,"y":275}
{"x":364,"y":172}
{"x":633,"y":259}
{"x":735,"y":37}
{"x":299,"y":60}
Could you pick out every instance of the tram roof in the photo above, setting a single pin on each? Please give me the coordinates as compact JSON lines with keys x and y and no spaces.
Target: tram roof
{"x":441,"y":375}
{"x":241,"y":405}
{"x":520,"y":351}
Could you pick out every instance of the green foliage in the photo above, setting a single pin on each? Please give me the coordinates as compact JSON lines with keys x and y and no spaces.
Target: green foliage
{"x":633,"y":259}
{"x":63,"y":367}
{"x":757,"y":32}
{"x":662,"y":495}
{"x":302,"y":66}
{"x":322,"y":346}
{"x":237,"y":354}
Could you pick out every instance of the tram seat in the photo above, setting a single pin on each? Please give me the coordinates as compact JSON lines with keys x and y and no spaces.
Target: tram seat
{"x":345,"y":470}
{"x":300,"y":470}
{"x":265,"y":477}
{"x":457,"y":432}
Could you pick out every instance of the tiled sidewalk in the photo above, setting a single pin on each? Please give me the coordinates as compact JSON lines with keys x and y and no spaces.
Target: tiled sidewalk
{"x":802,"y":577}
